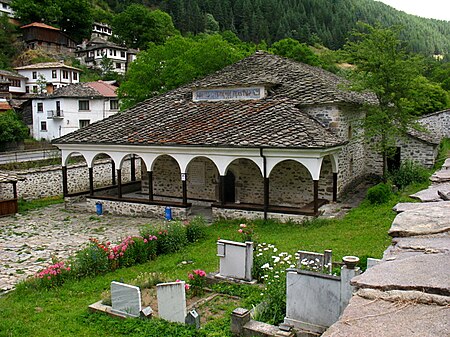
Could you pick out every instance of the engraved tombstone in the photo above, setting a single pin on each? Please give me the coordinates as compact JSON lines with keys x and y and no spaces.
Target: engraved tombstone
{"x":126,"y":299}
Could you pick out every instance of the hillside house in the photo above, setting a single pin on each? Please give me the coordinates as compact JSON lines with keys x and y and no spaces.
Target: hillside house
{"x":96,"y":52}
{"x":266,"y":137}
{"x":39,"y":35}
{"x":46,"y":77}
{"x":5,"y":8}
{"x":12,"y":84}
{"x":72,"y":107}
{"x":101,"y":30}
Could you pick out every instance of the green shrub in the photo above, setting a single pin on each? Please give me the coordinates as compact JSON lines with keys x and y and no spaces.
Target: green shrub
{"x":170,"y":237}
{"x":379,"y":194}
{"x":196,"y":229}
{"x":90,"y":261}
{"x":409,"y":173}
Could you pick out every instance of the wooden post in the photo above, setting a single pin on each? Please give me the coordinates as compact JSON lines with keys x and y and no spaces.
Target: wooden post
{"x":266,"y":197}
{"x":316,"y":197}
{"x":64,"y":181}
{"x":133,"y":168}
{"x":150,"y":185}
{"x":91,"y":180}
{"x":14,"y":189}
{"x":119,"y":183}
{"x":113,"y":172}
{"x":222,"y":190}
{"x":183,"y":181}
{"x":335,"y":176}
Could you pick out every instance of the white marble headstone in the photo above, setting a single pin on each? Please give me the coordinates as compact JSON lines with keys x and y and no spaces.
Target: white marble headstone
{"x":172,"y":301}
{"x":126,"y":299}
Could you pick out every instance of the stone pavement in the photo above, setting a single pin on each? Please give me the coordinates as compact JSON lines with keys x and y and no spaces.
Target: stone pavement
{"x":408,"y":292}
{"x":29,"y":242}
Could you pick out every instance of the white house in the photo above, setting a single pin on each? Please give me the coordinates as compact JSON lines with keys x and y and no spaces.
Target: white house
{"x":72,"y":107}
{"x":94,"y":53}
{"x":15,"y":83}
{"x":5,"y":8}
{"x":46,"y":77}
{"x":101,"y":30}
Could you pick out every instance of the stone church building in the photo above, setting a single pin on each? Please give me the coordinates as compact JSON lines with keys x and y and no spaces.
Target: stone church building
{"x":266,"y":137}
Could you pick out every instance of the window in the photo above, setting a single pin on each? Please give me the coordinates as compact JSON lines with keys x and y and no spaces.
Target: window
{"x":34,"y":75}
{"x":84,"y":123}
{"x":350,"y":132}
{"x":53,"y":73}
{"x":27,"y":89}
{"x":114,"y":52}
{"x":122,"y":54}
{"x":83,"y":105}
{"x":15,"y":83}
{"x":98,"y":52}
{"x":35,"y":88}
{"x":75,"y":76}
{"x":65,"y":74}
{"x":40,"y":107}
{"x":114,"y":104}
{"x":110,"y":52}
{"x":118,"y":65}
{"x":43,"y":126}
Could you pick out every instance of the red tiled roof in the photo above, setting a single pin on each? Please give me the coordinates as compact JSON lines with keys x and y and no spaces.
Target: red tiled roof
{"x":40,"y":25}
{"x":105,"y":89}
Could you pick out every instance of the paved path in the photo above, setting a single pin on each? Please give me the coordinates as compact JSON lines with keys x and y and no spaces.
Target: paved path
{"x":28,"y":242}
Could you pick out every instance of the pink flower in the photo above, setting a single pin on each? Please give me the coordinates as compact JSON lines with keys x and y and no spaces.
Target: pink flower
{"x":242,"y":225}
{"x":145,"y":240}
{"x":240,"y":230}
{"x":191,"y":277}
{"x":187,"y":286}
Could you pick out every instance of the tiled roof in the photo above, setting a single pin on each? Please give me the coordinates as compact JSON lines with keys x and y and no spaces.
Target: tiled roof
{"x":84,"y":89}
{"x":7,"y":73}
{"x":39,"y":25}
{"x":46,"y":65}
{"x":4,"y":106}
{"x":425,"y":136}
{"x":275,"y":121}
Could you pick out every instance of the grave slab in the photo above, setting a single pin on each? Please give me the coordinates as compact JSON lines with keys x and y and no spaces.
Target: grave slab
{"x":412,"y":206}
{"x":172,"y":301}
{"x":126,"y":299}
{"x":422,"y":221}
{"x":431,"y":193}
{"x":423,"y":272}
{"x":380,"y":318}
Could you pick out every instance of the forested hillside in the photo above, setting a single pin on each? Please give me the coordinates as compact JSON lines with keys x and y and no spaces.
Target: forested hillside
{"x":324,"y":21}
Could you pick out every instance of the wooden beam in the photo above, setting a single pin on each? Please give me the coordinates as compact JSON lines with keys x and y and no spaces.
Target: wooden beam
{"x":133,"y":167}
{"x":91,"y":180}
{"x":113,"y":172}
{"x":15,"y":189}
{"x":64,"y":181}
{"x":335,"y":176}
{"x":150,"y":185}
{"x":316,"y":197}
{"x":266,"y":197}
{"x":119,"y":183}
{"x":222,"y":190}
{"x":184,"y":186}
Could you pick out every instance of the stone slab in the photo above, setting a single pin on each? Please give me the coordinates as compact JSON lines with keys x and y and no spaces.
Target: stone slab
{"x":438,"y":243}
{"x":422,"y":221}
{"x":441,"y":176}
{"x":431,"y":193}
{"x":172,"y":301}
{"x":446,"y":165}
{"x":378,"y":318}
{"x":429,"y":273}
{"x":126,"y":299}
{"x":412,"y":206}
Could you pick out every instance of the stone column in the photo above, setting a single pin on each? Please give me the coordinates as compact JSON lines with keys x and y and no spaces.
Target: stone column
{"x":119,"y":183}
{"x":150,"y":185}
{"x":91,"y":180}
{"x":239,"y":317}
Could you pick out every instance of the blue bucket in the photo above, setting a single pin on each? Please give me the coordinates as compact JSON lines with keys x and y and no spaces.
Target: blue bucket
{"x":99,"y":208}
{"x":168,"y":213}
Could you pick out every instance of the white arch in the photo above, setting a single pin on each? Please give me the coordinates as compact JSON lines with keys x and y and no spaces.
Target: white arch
{"x":334,"y":162}
{"x":313,"y":165}
{"x":65,"y":155}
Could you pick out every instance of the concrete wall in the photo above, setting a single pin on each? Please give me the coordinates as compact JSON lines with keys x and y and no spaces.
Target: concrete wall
{"x":47,"y":181}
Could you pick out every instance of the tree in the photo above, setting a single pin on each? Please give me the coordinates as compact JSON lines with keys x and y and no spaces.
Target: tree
{"x":180,"y":60}
{"x":295,"y":50}
{"x":8,"y":48}
{"x":384,"y":68}
{"x":12,"y":129}
{"x":138,"y":25}
{"x":74,"y":17}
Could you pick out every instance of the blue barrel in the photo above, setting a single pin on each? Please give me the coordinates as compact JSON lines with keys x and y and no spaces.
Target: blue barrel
{"x":168,"y":213}
{"x":99,"y":208}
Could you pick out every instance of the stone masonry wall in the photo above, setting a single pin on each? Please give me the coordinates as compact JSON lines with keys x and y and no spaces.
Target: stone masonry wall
{"x":222,"y":213}
{"x":47,"y":181}
{"x":418,"y":151}
{"x":438,"y":123}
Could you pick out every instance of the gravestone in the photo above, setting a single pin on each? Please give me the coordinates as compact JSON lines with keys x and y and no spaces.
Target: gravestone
{"x":172,"y":301}
{"x":315,"y":261}
{"x":236,"y":259}
{"x":193,"y":318}
{"x":126,"y":299}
